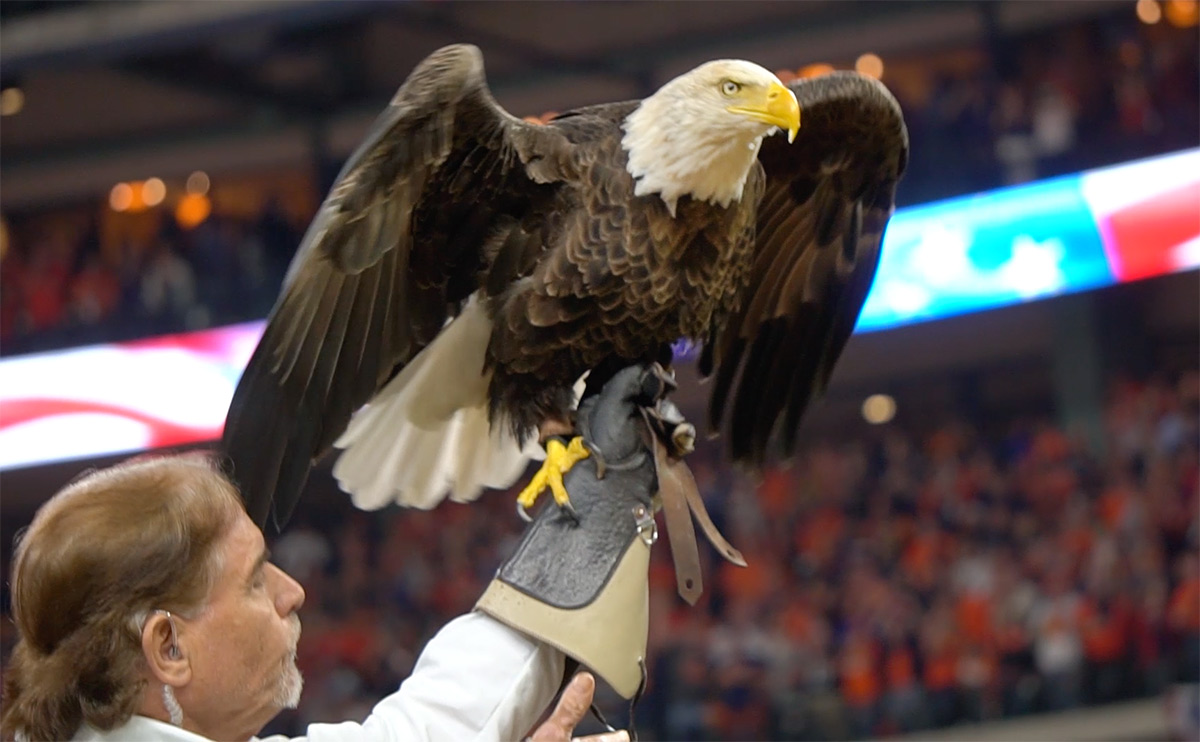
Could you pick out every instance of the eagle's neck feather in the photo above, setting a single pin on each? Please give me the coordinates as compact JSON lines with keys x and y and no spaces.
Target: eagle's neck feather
{"x":667,"y":157}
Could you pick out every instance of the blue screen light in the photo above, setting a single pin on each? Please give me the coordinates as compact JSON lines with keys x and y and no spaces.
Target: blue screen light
{"x":986,"y":250}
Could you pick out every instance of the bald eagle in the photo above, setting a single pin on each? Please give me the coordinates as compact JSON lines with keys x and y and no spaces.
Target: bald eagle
{"x":469,"y":268}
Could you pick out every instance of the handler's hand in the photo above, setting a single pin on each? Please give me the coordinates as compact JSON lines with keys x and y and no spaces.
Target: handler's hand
{"x":570,"y":711}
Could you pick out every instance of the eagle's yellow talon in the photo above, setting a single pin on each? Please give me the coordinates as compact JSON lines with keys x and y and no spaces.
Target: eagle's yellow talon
{"x":529,"y":495}
{"x":559,"y":460}
{"x":559,"y":492}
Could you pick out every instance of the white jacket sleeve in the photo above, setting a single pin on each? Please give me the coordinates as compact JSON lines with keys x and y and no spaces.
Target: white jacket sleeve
{"x":476,"y":680}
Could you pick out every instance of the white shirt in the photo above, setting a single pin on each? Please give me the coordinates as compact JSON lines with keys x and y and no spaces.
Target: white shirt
{"x":476,"y":680}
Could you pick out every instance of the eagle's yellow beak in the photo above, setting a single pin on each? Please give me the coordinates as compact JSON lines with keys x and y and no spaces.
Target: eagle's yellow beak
{"x":777,"y":107}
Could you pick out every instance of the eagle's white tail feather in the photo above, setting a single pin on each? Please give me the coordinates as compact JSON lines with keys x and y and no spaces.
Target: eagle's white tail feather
{"x":426,"y":434}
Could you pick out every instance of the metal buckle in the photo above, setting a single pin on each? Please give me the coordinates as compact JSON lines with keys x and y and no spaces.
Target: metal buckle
{"x":647,"y":529}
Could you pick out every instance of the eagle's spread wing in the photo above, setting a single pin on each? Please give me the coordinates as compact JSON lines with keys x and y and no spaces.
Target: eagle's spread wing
{"x":826,"y":202}
{"x":399,"y":239}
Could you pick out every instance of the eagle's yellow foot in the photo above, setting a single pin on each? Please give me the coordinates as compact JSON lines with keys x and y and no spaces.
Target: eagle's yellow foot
{"x":559,"y":460}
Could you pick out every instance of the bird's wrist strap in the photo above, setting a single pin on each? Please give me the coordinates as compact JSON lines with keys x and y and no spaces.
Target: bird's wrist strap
{"x":679,"y":494}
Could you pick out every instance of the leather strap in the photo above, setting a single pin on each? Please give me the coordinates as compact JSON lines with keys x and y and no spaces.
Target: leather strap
{"x":671,"y":487}
{"x":679,"y":493}
{"x":696,"y":503}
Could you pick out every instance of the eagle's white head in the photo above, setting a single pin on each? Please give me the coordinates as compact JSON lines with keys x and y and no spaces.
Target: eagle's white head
{"x":700,"y":133}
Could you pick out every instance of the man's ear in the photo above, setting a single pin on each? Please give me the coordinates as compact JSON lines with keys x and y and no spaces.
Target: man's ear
{"x":164,"y":654}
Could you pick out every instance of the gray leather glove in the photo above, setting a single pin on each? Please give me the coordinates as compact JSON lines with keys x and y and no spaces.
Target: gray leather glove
{"x":579,"y":581}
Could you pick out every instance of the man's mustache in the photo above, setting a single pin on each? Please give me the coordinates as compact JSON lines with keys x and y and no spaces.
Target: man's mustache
{"x":294,"y":622}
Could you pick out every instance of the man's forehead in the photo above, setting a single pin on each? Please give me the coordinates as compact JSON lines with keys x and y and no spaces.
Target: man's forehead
{"x":243,"y":546}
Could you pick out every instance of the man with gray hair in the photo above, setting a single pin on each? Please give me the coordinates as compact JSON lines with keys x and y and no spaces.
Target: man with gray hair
{"x":147,"y":607}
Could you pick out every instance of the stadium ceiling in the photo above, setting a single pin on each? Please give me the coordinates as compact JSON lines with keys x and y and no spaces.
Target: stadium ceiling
{"x":117,"y":90}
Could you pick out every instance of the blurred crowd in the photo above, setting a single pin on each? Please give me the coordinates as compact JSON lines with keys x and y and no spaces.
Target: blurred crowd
{"x":62,"y":289}
{"x":903,"y":583}
{"x":1077,"y":96}
{"x":1053,"y":102}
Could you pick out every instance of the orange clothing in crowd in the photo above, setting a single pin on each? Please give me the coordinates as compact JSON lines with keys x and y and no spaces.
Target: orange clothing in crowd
{"x":818,"y":535}
{"x":919,"y":559}
{"x":777,"y":493}
{"x":1103,"y":635}
{"x":1011,"y":637}
{"x":1077,"y":542}
{"x":860,"y":681}
{"x":752,"y":582}
{"x":1183,"y":611}
{"x":1113,"y":505}
{"x":941,"y":670}
{"x":799,"y":623}
{"x":974,"y":613}
{"x":900,"y":668}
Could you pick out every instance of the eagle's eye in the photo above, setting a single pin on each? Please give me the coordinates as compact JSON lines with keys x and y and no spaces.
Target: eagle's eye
{"x":729,"y":87}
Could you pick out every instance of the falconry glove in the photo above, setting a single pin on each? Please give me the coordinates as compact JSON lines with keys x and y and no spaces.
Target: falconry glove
{"x":579,"y":578}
